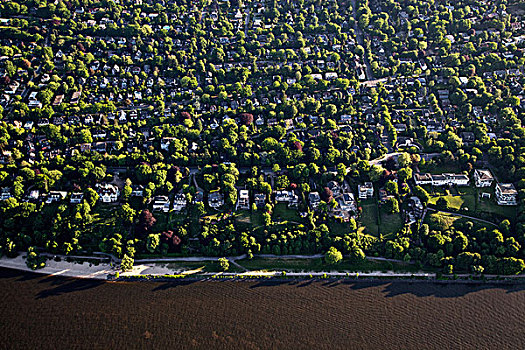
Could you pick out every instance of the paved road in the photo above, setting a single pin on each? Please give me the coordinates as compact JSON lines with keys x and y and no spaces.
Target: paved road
{"x":360,"y":40}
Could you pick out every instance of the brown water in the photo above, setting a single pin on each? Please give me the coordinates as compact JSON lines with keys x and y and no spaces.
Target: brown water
{"x":62,"y":313}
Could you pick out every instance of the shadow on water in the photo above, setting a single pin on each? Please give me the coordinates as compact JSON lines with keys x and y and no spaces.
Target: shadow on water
{"x":172,"y":284}
{"x":61,"y":285}
{"x":439,"y":289}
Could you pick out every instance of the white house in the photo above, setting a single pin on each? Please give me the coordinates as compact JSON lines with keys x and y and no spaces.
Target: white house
{"x":287,"y":197}
{"x":244,"y":199}
{"x":56,"y":196}
{"x":506,"y":194}
{"x":483,"y":178}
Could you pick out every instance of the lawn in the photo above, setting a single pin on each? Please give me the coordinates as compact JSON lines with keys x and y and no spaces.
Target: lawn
{"x":457,"y":198}
{"x":369,"y":217}
{"x":247,"y":219}
{"x":390,"y":223}
{"x":317,"y":265}
{"x":282,"y":213}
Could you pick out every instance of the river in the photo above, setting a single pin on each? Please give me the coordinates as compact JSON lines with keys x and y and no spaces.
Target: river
{"x":64,"y":313}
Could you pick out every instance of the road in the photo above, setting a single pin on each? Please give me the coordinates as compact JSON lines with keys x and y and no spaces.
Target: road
{"x":360,"y":40}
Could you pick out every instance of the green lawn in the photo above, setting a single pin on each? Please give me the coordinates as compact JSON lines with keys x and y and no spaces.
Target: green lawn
{"x":317,"y":265}
{"x":369,"y":217}
{"x":390,"y":223}
{"x":281,"y":212}
{"x":248,"y":219}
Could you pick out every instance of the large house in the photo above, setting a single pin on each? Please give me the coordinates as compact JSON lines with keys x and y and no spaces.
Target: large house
{"x":366,"y":190}
{"x":244,"y":199}
{"x":483,"y":178}
{"x":446,"y":179}
{"x":76,"y":198}
{"x":506,"y":194}
{"x":347,"y":202}
{"x":56,"y":196}
{"x":108,"y":193}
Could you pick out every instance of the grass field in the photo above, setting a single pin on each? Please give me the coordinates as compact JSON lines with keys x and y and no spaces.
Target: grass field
{"x":281,"y":212}
{"x":317,"y":265}
{"x":369,"y":218}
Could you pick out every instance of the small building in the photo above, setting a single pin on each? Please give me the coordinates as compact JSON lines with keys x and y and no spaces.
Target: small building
{"x":366,"y":190}
{"x":287,"y":197}
{"x":506,"y":194}
{"x":483,"y":178}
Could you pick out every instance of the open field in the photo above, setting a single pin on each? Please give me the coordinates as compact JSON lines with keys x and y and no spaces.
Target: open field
{"x":63,"y":313}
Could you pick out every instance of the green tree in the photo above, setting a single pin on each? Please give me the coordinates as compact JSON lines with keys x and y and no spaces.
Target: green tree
{"x":333,"y":256}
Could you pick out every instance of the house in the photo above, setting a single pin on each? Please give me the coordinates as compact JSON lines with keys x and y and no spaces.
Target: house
{"x":56,"y":196}
{"x":161,"y":203}
{"x":314,"y":199}
{"x":215,"y":199}
{"x":32,"y":196}
{"x":244,"y":199}
{"x":137,"y":190}
{"x":366,"y":190}
{"x":5,"y":194}
{"x":76,"y":198}
{"x":422,"y":179}
{"x":483,"y":178}
{"x":506,"y":194}
{"x":347,"y":202}
{"x":289,"y":197}
{"x":179,"y":202}
{"x":259,"y":200}
{"x":108,"y":192}
{"x":334,"y":187}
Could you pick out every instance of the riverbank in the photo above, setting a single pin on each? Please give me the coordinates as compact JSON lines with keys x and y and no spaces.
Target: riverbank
{"x":169,"y":271}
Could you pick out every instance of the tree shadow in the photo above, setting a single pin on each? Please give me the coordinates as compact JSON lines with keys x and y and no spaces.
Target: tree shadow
{"x":438,"y":289}
{"x":173,"y":284}
{"x":65,"y":285}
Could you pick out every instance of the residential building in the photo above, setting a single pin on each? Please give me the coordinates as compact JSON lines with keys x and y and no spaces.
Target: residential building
{"x":56,"y":196}
{"x":446,"y":179}
{"x":179,"y":202}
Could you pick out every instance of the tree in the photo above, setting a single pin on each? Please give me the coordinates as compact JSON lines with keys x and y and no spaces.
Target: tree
{"x":442,"y":203}
{"x":224,"y":264}
{"x":146,"y":221}
{"x":152,"y":242}
{"x":392,"y":205}
{"x":333,"y":256}
{"x":127,"y":263}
